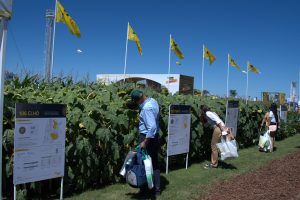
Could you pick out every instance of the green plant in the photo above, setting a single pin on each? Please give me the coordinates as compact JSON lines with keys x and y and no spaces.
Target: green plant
{"x":101,"y":130}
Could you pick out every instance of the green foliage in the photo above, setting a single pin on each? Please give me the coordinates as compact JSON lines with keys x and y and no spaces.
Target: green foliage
{"x":101,"y":130}
{"x":232,"y":93}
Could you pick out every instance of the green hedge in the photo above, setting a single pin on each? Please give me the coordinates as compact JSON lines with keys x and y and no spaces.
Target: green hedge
{"x":101,"y":130}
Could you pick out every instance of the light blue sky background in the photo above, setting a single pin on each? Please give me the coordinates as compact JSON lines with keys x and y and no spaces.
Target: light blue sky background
{"x":265,"y":32}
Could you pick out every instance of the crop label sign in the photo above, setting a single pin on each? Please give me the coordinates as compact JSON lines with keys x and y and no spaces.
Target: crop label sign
{"x":232,"y":112}
{"x":39,"y":142}
{"x":283,"y":113}
{"x":179,"y":128}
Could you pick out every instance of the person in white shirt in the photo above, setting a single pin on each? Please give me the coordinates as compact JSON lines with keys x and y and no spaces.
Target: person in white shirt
{"x":218,"y":126}
{"x":271,"y":120}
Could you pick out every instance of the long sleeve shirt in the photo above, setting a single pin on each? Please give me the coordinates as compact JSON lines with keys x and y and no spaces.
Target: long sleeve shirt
{"x":149,"y":118}
{"x":213,"y":119}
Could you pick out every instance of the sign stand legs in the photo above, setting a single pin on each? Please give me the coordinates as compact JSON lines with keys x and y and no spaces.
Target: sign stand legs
{"x":15,"y":192}
{"x":167,"y":167}
{"x":61,"y":188}
{"x":187,"y":161}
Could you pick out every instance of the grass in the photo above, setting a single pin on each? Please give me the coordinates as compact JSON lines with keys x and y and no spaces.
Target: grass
{"x":196,"y":181}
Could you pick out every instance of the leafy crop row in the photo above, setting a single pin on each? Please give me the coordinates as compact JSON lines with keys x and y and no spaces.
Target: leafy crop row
{"x":101,"y":130}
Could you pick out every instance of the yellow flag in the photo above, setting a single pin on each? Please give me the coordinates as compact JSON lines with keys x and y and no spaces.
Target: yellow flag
{"x":266,"y":97}
{"x":251,"y":68}
{"x":63,"y":16}
{"x":133,"y":37}
{"x":282,"y":98}
{"x":176,"y":49}
{"x":209,"y":56}
{"x":233,"y":63}
{"x":5,"y":8}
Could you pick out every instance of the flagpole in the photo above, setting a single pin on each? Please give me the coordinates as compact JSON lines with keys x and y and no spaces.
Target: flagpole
{"x":125,"y":64}
{"x":202,"y":71}
{"x":299,"y":89}
{"x":247,"y":82}
{"x":228,"y":76}
{"x":169,"y":69}
{"x":54,"y":26}
{"x":3,"y":30}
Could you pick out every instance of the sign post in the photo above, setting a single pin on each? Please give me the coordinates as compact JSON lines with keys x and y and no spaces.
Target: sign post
{"x":39,"y":143}
{"x":179,"y":128}
{"x":3,"y":34}
{"x":5,"y":15}
{"x":232,"y":112}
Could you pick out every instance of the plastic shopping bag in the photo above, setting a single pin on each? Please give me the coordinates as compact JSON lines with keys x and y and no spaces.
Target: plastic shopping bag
{"x":233,"y":148}
{"x":262,"y":141}
{"x":149,"y":171}
{"x":268,"y":143}
{"x":228,"y":149}
{"x":129,"y":160}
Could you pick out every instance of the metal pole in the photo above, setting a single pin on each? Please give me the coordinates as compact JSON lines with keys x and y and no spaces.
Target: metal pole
{"x":61,"y":188}
{"x":169,"y":69}
{"x":167,"y":167}
{"x":228,"y":76}
{"x":187,"y":160}
{"x":54,"y":25}
{"x":299,"y":89}
{"x":2,"y":71}
{"x":247,"y":82}
{"x":48,"y":43}
{"x":202,"y":73}
{"x":167,"y":163}
{"x":125,"y":64}
{"x":15,"y":192}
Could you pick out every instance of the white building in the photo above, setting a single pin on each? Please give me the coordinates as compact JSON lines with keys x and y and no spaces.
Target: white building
{"x":173,"y":82}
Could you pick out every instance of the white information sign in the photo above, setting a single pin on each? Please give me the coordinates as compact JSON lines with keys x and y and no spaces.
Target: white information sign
{"x":39,"y":142}
{"x":179,"y":128}
{"x":232,"y":112}
{"x":283,"y":113}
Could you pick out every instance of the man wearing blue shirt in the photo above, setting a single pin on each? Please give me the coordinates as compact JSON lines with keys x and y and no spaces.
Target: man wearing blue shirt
{"x":149,"y":131}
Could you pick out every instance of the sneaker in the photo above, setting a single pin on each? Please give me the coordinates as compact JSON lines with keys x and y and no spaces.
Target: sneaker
{"x":210,"y":166}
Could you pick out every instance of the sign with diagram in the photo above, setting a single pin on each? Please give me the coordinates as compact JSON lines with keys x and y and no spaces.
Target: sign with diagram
{"x":232,"y":112}
{"x":179,"y":129}
{"x":39,"y":142}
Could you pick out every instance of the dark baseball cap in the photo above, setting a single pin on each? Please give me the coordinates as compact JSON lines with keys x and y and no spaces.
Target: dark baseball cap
{"x":136,"y":95}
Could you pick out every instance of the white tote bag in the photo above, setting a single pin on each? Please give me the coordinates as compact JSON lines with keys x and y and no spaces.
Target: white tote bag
{"x":228,"y":149}
{"x":268,"y":144}
{"x":149,"y":171}
{"x":262,"y":141}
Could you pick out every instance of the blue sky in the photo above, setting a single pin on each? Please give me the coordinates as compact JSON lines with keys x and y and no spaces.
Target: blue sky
{"x":265,"y":32}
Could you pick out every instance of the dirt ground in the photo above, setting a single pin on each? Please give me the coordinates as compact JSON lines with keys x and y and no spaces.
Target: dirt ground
{"x":280,"y":179}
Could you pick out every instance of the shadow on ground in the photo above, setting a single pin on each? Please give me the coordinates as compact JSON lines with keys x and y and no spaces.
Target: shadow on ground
{"x":149,"y":195}
{"x":224,"y":165}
